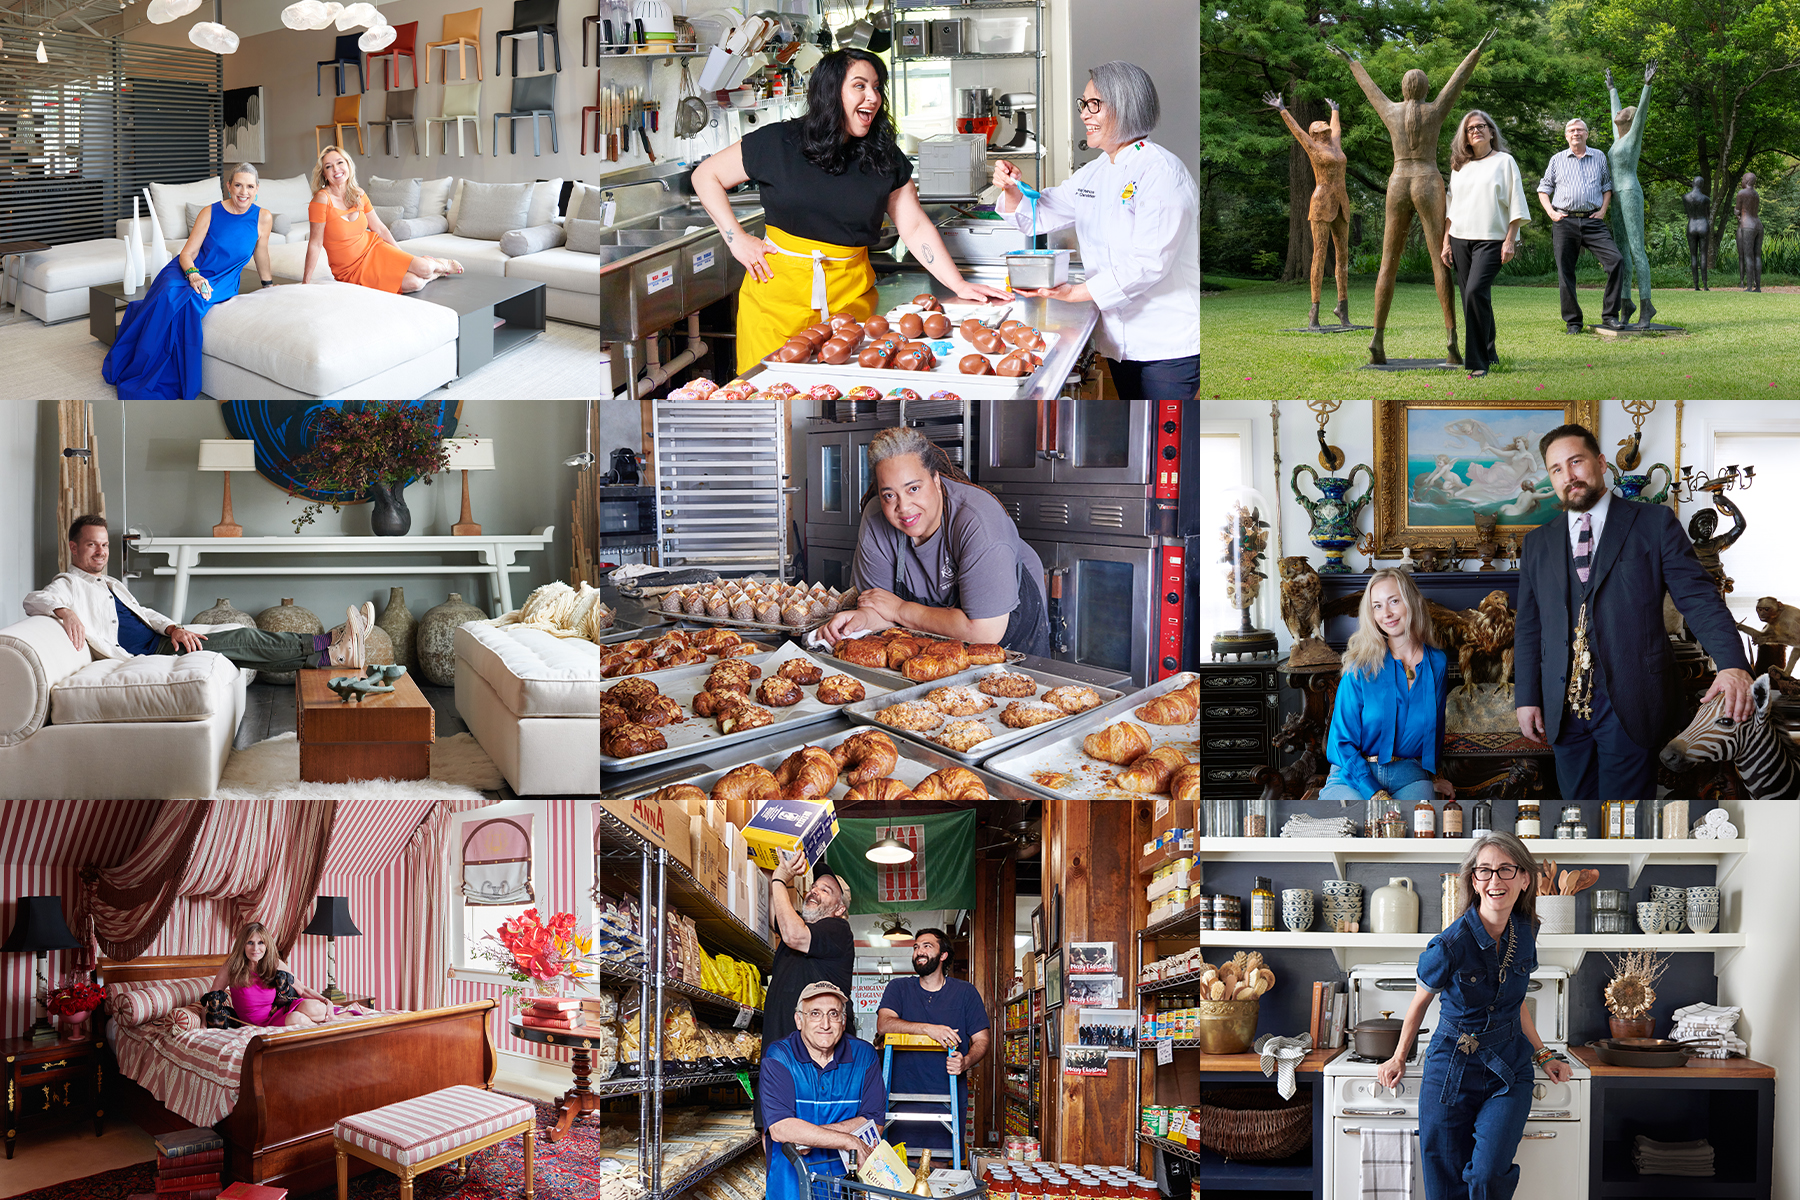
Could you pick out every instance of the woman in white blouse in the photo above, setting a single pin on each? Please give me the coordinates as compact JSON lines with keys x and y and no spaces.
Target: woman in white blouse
{"x":1481,"y":227}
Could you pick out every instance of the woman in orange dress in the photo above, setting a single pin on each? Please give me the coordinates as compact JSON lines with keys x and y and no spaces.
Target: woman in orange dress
{"x":353,"y":238}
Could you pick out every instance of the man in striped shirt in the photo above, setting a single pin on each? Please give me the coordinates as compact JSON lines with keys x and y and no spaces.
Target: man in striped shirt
{"x":821,"y":1091}
{"x":1576,"y":191}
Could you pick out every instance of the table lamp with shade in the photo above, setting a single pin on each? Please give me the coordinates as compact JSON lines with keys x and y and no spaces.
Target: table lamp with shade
{"x":39,"y":928}
{"x":468,"y":454}
{"x":227,"y":455}
{"x":331,"y":920}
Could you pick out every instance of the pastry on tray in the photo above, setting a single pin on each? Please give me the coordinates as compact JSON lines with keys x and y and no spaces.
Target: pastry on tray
{"x":959,"y":701}
{"x":957,"y":785}
{"x":838,"y":689}
{"x":884,"y":793}
{"x":863,"y":651}
{"x":1023,"y":714}
{"x":779,"y":692}
{"x":963,"y":736}
{"x":1073,"y":699}
{"x":632,"y":691}
{"x":865,"y":756}
{"x":983,"y":654}
{"x":1121,"y":743}
{"x":612,"y":715}
{"x":711,"y":703}
{"x":803,"y":671}
{"x":917,"y":715}
{"x":631,"y":739}
{"x":808,"y":772}
{"x":1008,"y":683}
{"x":938,"y":660}
{"x":1152,"y":772}
{"x":658,"y":711}
{"x":744,"y":716}
{"x":1170,"y":708}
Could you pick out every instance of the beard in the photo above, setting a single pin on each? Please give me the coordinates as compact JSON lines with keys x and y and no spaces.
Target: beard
{"x":924,"y":966}
{"x":810,"y":913}
{"x":1590,"y":496}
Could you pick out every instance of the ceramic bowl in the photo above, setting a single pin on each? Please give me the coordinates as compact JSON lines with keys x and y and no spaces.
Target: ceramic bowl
{"x":1702,"y":895}
{"x":1650,"y":917}
{"x":1297,"y":909}
{"x":1702,"y":920}
{"x":1341,"y":889}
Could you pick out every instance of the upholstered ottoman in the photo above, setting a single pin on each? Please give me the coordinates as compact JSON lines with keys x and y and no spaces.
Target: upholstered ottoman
{"x":53,"y":284}
{"x":571,"y":279}
{"x":413,"y":1136}
{"x":327,"y":341}
{"x":533,"y":702}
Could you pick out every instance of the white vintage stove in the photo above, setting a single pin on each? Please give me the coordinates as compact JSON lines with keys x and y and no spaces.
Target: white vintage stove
{"x":1553,"y":1154}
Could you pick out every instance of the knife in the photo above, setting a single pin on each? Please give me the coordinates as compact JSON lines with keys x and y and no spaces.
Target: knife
{"x":642,"y":40}
{"x":607,"y":27}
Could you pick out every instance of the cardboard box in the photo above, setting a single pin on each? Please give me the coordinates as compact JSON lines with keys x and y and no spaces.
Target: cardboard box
{"x":1167,"y":814}
{"x":804,"y":825}
{"x":710,"y":865}
{"x":756,"y":889}
{"x":660,"y":823}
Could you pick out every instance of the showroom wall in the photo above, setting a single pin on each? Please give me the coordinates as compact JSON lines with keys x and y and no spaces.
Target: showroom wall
{"x":282,"y":61}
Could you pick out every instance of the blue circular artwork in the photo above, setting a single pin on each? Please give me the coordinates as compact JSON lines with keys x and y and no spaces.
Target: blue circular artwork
{"x":285,"y":430}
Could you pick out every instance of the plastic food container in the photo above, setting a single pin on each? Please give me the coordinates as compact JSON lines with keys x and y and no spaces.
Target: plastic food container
{"x":1000,"y":35}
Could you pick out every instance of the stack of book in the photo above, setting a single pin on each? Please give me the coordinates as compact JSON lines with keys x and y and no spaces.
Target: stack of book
{"x":188,"y":1163}
{"x":552,"y":1012}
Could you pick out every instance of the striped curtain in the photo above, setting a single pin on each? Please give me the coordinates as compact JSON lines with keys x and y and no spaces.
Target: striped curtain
{"x":425,"y":923}
{"x":265,"y":856}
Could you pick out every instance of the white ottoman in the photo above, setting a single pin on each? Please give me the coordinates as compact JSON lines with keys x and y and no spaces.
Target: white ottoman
{"x":327,"y":341}
{"x":53,"y":284}
{"x":571,"y":279}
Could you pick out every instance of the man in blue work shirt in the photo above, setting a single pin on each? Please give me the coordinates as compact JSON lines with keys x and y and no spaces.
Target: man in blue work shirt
{"x":819,"y":1089}
{"x":949,"y":1012}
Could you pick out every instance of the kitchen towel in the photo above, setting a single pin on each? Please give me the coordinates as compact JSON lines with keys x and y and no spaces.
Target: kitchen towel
{"x":1387,"y":1164}
{"x":1287,"y":1052}
{"x":1672,"y":1158}
{"x":1300,"y":825}
{"x":1713,"y":1024}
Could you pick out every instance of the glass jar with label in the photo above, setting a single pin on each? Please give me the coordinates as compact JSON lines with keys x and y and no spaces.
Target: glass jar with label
{"x":1529,"y":824}
{"x":1262,"y":906}
{"x":1481,"y":817}
{"x":1453,"y":819}
{"x":1424,"y":820}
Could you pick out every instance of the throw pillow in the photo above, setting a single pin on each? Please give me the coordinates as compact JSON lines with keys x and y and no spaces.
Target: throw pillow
{"x":418,"y":227}
{"x":135,"y":1003}
{"x":578,"y":198}
{"x":280,"y":223}
{"x":434,"y":196}
{"x":290,"y":196}
{"x":171,"y":200}
{"x":590,"y":205}
{"x":389,"y":214}
{"x":583,"y":236}
{"x":193,"y":214}
{"x":403,"y":193}
{"x":515,"y":242}
{"x":544,"y":196}
{"x":491,"y":209}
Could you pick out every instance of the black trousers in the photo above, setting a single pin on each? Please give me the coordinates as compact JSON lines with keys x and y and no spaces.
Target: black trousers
{"x":1596,"y":748}
{"x":1568,"y":237}
{"x":1477,"y":265}
{"x":1156,"y":379}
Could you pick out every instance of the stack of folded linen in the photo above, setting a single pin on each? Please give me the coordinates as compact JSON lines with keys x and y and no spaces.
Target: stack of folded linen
{"x":1302,"y":826}
{"x":1672,"y":1158}
{"x":1714,"y":1025}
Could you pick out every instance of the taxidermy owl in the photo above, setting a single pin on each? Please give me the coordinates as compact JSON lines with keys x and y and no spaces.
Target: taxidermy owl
{"x":1301,"y":589}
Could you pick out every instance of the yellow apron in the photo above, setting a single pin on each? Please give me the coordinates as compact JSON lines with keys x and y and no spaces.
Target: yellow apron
{"x":809,"y":281}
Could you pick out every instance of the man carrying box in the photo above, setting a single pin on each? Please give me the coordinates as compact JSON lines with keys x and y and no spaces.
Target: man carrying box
{"x":819,"y":1090}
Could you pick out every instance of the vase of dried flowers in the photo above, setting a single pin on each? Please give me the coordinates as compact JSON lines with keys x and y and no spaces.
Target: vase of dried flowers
{"x":373,"y":452}
{"x":1631,"y":992}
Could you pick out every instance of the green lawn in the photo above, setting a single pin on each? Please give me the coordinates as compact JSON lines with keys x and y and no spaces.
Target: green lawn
{"x":1738,"y":345}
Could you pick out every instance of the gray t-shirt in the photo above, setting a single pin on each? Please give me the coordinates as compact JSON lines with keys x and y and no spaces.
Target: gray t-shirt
{"x":976,"y":551}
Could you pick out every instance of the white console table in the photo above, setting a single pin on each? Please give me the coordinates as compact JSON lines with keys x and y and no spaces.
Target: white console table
{"x":494,"y":553}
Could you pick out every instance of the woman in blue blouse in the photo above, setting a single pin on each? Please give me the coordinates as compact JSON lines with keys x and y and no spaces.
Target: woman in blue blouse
{"x":1389,"y":717}
{"x":1478,"y":1065}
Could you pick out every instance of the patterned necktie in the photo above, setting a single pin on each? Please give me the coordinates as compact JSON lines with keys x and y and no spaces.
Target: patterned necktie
{"x":1584,"y":546}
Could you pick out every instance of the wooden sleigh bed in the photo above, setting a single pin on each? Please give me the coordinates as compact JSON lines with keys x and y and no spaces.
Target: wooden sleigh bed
{"x":295,"y":1085}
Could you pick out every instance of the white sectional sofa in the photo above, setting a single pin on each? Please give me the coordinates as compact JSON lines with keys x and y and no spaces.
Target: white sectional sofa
{"x":533,"y":702}
{"x":155,"y":727}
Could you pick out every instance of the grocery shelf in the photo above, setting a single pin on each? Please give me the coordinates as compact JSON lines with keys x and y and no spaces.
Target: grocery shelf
{"x":1636,"y":853}
{"x":1182,"y":924}
{"x":1178,"y":1149}
{"x":700,"y":995}
{"x":717,"y":925}
{"x":1173,"y":981}
{"x":1569,"y":947}
{"x":702,"y":1171}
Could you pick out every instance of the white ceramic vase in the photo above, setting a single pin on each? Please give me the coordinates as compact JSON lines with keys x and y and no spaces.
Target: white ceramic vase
{"x":156,"y":255}
{"x":134,"y":255}
{"x":1556,"y":913}
{"x":1394,"y":908}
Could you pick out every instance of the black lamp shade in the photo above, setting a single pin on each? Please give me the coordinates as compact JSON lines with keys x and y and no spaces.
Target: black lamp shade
{"x":40,"y":926}
{"x":332,"y":918}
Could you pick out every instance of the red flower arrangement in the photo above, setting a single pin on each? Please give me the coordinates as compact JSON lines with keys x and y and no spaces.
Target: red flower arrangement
{"x":528,"y":948}
{"x":76,"y":996}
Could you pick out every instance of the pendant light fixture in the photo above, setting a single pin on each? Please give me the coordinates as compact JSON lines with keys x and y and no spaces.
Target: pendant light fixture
{"x":41,"y":55}
{"x":888,"y":850}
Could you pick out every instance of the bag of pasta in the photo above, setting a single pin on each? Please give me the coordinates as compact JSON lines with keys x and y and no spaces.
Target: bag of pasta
{"x":746,"y":1048}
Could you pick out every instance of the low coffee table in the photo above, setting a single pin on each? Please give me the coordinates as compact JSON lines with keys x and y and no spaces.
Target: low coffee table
{"x":107,"y":300}
{"x":478,"y":300}
{"x":386,"y":736}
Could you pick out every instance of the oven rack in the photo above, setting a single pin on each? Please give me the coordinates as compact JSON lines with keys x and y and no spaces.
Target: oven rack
{"x":720,"y":472}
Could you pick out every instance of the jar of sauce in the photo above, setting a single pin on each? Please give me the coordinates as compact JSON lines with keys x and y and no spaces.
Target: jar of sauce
{"x":1529,"y":825}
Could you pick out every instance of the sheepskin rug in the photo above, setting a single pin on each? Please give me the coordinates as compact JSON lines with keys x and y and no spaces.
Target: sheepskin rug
{"x":273,"y":765}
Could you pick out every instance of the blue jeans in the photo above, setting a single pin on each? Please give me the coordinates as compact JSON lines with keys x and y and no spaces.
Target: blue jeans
{"x":1467,"y":1140}
{"x":1405,"y":779}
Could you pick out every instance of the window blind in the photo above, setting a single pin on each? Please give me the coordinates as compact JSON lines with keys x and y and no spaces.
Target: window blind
{"x":497,"y":862}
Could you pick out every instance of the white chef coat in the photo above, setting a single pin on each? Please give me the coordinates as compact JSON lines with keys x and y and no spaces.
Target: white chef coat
{"x":90,"y":597}
{"x":1137,"y":218}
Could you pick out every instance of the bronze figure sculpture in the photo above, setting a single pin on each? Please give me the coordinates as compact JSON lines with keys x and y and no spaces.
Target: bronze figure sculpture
{"x":1699,"y":215}
{"x":1329,"y":213}
{"x":1413,"y":124}
{"x":1709,"y":544}
{"x":1749,"y":235}
{"x":1627,"y":148}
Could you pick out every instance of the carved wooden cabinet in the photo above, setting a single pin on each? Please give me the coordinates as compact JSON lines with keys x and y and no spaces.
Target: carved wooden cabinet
{"x":1240,"y":703}
{"x":46,"y":1081}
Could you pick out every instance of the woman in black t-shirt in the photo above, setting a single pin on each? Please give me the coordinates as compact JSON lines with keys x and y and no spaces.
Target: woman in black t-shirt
{"x":826,"y":181}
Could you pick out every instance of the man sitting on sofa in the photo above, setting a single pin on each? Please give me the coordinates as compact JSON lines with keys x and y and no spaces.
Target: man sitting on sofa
{"x":100,"y":612}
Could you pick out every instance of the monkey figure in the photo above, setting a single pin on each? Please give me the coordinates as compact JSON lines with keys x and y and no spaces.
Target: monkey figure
{"x":1781,"y":627}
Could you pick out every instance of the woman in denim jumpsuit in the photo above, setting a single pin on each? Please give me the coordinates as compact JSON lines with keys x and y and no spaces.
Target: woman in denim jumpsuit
{"x":1478,"y":1067}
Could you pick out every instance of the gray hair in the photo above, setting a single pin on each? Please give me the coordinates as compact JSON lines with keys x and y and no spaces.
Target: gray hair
{"x":1130,"y":98}
{"x":1574,"y":121}
{"x":230,"y":173}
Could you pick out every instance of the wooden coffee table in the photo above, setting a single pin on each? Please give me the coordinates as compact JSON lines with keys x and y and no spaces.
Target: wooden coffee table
{"x":385,"y":736}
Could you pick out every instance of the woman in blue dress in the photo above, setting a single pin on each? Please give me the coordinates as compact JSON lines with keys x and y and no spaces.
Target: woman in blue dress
{"x":1476,"y":1091}
{"x":156,"y":355}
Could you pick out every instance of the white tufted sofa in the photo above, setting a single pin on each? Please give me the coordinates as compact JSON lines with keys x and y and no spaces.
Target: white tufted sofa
{"x":533,"y":702}
{"x":155,"y":727}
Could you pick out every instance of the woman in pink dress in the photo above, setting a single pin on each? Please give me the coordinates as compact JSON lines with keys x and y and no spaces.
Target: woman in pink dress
{"x":255,"y":988}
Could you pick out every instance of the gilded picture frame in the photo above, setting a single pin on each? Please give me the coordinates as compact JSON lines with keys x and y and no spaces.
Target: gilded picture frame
{"x":1438,"y":462}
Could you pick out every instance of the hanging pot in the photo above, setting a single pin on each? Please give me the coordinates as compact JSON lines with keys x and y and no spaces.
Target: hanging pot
{"x":390,"y":518}
{"x":882,"y":40}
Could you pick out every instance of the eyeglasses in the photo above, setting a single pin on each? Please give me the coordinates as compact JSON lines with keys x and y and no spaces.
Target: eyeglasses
{"x":1481,"y":125}
{"x":823,"y":1016}
{"x":1089,"y":106}
{"x":1505,"y":872}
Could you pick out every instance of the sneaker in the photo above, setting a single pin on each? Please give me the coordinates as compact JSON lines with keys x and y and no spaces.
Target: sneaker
{"x":349,"y":643}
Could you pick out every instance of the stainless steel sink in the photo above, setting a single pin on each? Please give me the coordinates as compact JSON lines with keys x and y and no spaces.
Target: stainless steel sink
{"x":648,"y":237}
{"x":636,"y":298}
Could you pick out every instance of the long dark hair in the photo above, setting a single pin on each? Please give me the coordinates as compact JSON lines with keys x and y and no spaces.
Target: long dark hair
{"x":823,"y":138}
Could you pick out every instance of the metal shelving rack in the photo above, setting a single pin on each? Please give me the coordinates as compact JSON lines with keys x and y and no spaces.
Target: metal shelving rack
{"x":661,"y":882}
{"x":1030,"y":1034}
{"x":721,"y":477}
{"x":1182,"y":925}
{"x":897,"y":64}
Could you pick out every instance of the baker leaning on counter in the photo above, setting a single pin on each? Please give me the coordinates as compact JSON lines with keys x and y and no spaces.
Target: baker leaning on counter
{"x":937,"y":553}
{"x":1135,"y":210}
{"x":826,"y":180}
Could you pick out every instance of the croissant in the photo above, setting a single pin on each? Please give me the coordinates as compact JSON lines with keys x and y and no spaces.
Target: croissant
{"x":807,"y":772}
{"x":1184,"y":785}
{"x":1193,"y":692}
{"x":881,"y":792}
{"x":1151,"y":772}
{"x":864,"y":756}
{"x":684,"y":658}
{"x":743,"y":792}
{"x":899,"y":650}
{"x":982,"y":654}
{"x":744,"y":716}
{"x":1121,"y":743}
{"x":936,"y":664}
{"x":954,"y":785}
{"x":632,"y":739}
{"x":714,"y":640}
{"x":864,"y":652}
{"x":633,"y":691}
{"x":742,"y":650}
{"x":637,"y":648}
{"x":1170,"y":708}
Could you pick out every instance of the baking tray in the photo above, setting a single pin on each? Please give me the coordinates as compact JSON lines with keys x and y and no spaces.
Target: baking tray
{"x":1012,"y":656}
{"x":752,"y":626}
{"x":698,"y":734}
{"x":944,"y":377}
{"x":650,"y":633}
{"x":1089,"y":778}
{"x":864,"y":710}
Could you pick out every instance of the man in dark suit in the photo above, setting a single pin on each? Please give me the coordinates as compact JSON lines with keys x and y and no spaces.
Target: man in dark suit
{"x":1593,"y":581}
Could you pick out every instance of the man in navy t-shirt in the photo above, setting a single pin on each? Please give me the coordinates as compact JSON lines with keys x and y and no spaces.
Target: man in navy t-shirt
{"x":949,"y":1012}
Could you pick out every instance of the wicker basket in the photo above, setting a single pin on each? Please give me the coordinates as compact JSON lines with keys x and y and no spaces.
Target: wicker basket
{"x":1254,"y":1124}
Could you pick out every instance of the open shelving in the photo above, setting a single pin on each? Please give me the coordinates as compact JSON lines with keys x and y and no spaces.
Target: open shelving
{"x":1635,"y":853}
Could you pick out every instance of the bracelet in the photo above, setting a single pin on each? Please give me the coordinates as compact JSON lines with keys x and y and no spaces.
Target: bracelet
{"x":189,"y":271}
{"x":267,"y":282}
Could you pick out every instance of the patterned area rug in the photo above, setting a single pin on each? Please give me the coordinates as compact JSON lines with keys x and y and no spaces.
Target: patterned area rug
{"x":564,"y":1171}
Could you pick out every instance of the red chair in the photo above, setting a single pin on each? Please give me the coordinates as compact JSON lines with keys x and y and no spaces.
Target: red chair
{"x":593,"y":108}
{"x":405,"y":37}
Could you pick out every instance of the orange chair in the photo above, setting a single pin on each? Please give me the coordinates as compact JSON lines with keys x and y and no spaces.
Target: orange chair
{"x":345,"y":110}
{"x":462,"y":30}
{"x":405,"y":37}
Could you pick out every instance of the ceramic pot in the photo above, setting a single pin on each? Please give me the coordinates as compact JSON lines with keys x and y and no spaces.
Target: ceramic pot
{"x":74,"y":1026}
{"x":436,"y":638}
{"x":1632,"y":486}
{"x":390,"y":518}
{"x":1557,"y":914}
{"x":1394,"y":908}
{"x":1377,"y":1037}
{"x":286,"y":617}
{"x":1636,"y":1027}
{"x":1333,"y":517}
{"x":400,"y":626}
{"x":221,"y":613}
{"x":1227,"y":1026}
{"x":1297,"y":909}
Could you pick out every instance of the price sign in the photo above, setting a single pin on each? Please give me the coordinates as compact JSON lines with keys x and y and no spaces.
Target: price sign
{"x":1165,"y":1052}
{"x":744,"y":1078}
{"x":743,"y":1018}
